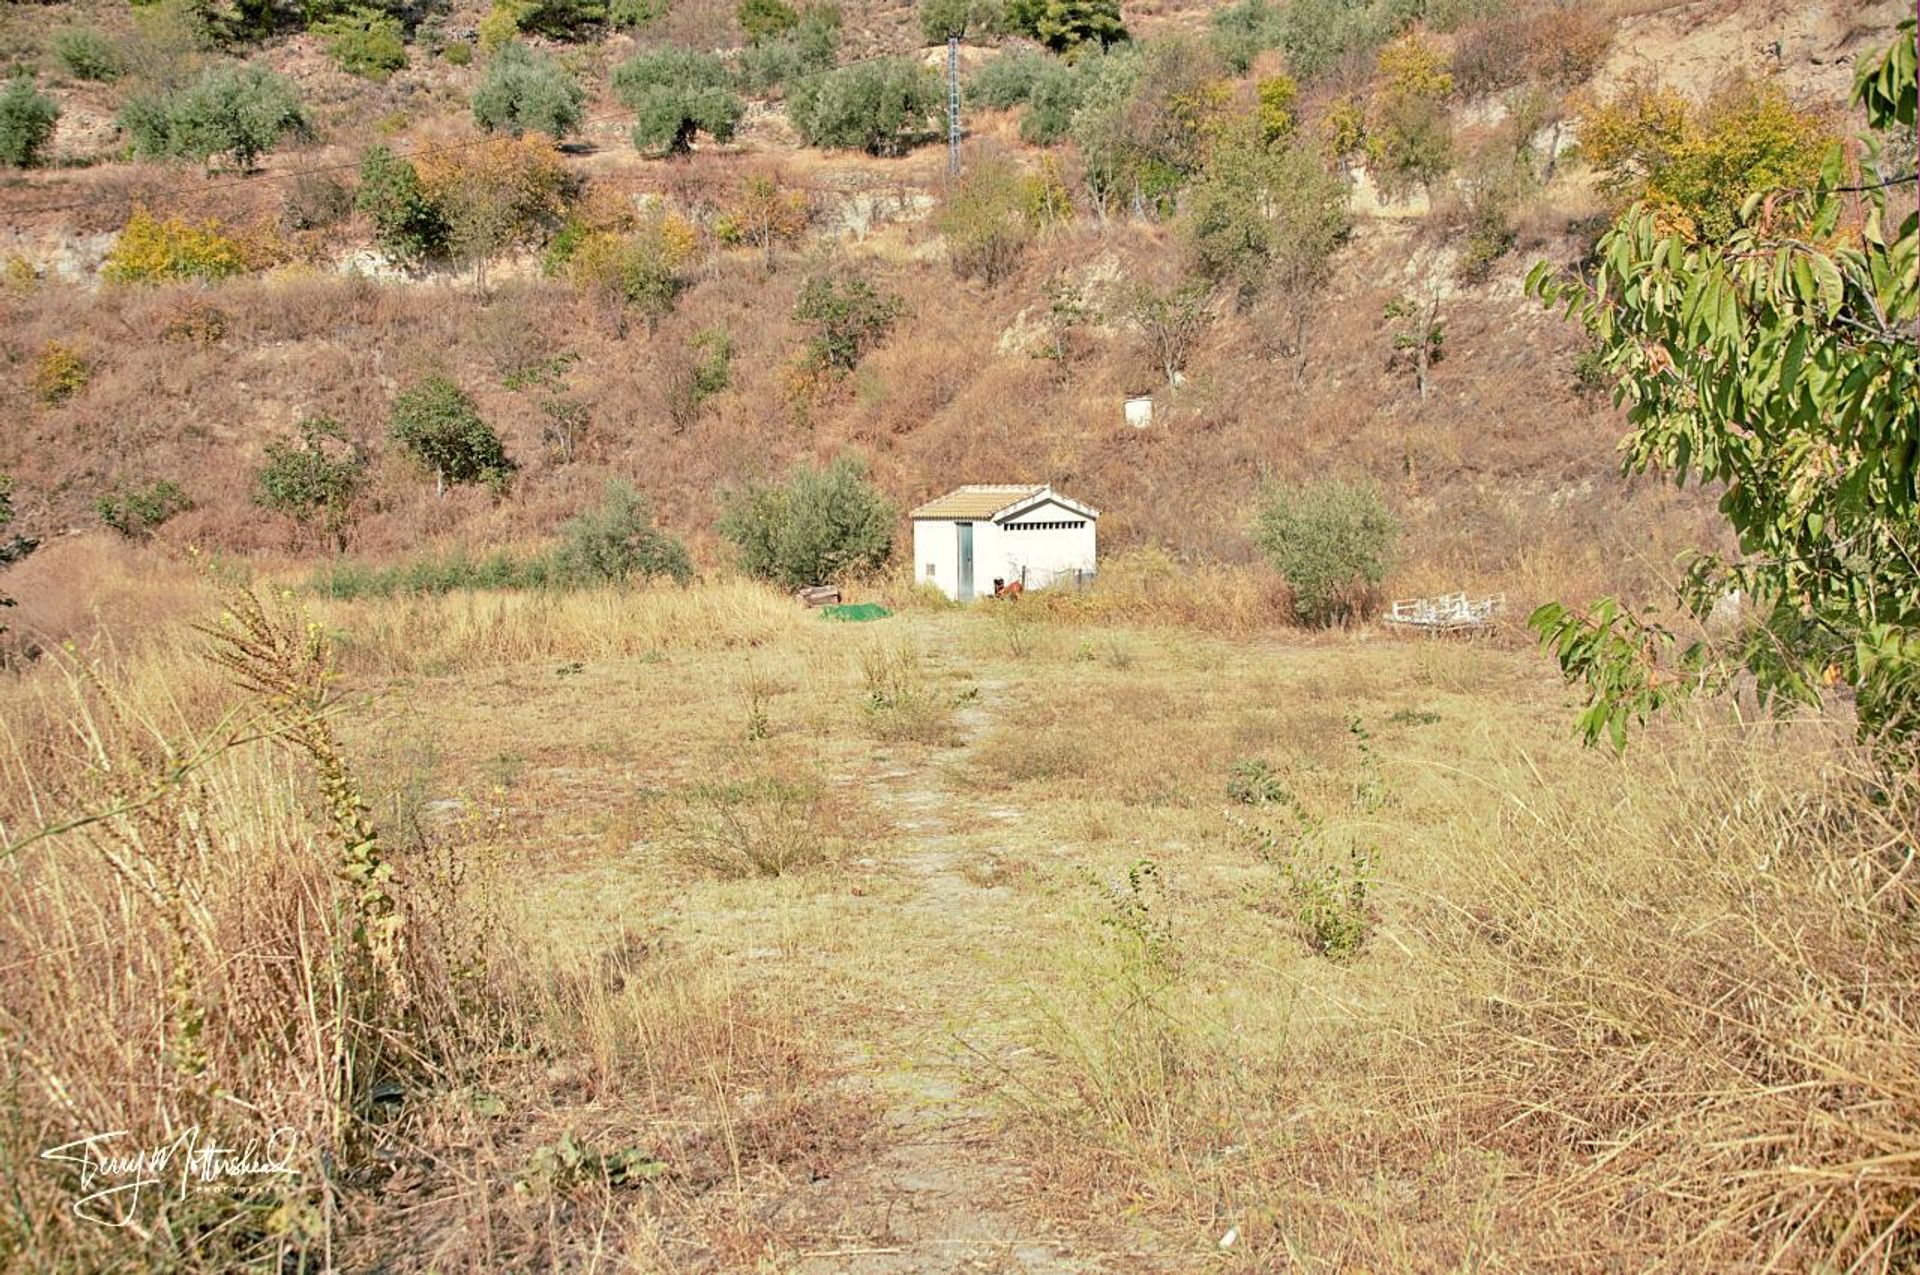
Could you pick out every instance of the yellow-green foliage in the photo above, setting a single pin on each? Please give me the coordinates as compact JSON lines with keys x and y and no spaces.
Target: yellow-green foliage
{"x":152,"y":250}
{"x":1698,"y":164}
{"x":1277,"y":96}
{"x":60,"y":373}
{"x":502,"y":24}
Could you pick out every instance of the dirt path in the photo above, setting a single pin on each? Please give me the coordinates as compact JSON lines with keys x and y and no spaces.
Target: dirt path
{"x":938,"y":1195}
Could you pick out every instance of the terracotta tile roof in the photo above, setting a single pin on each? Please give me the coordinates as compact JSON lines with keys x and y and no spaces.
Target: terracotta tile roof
{"x":977,"y":501}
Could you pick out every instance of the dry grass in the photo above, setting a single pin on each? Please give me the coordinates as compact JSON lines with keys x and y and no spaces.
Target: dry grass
{"x":375,"y":995}
{"x":1661,"y":1012}
{"x":1654,"y":1012}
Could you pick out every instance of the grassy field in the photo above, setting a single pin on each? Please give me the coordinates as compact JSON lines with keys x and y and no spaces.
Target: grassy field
{"x":684,"y":931}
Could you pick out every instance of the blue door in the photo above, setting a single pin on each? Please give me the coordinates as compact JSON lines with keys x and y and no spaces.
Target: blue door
{"x":966,"y":561}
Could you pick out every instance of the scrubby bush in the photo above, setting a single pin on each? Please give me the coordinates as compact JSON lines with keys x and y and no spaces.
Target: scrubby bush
{"x":502,"y":193}
{"x":629,"y":14}
{"x":525,"y":91}
{"x":1246,"y":29}
{"x":766,"y":215}
{"x":407,"y":224}
{"x":1701,"y":164}
{"x":813,"y":526}
{"x":27,"y":117}
{"x":882,"y":107}
{"x":1276,"y":99}
{"x":617,"y":542}
{"x":59,"y":373}
{"x":847,"y":314}
{"x":88,"y":53}
{"x":990,"y":216}
{"x":314,"y":479}
{"x":135,"y":512}
{"x":155,"y":250}
{"x":437,"y":423}
{"x":1410,"y":130}
{"x":1332,"y":542}
{"x":364,"y":41}
{"x":675,"y":93}
{"x":940,"y":19}
{"x":1320,"y":36}
{"x":644,"y":271}
{"x":236,"y":111}
{"x":458,"y":53}
{"x":766,"y":19}
{"x":1050,"y":88}
{"x":315,"y":201}
{"x":1264,"y":217}
{"x":1006,"y":81}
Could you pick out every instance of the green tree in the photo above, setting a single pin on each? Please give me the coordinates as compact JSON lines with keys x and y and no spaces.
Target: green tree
{"x":766,"y":19}
{"x":437,"y":423}
{"x":364,"y":41}
{"x":236,"y":111}
{"x":1244,"y":30}
{"x":523,"y":91}
{"x":848,"y":316}
{"x":1332,"y":542}
{"x":314,"y":479}
{"x":1264,"y":218}
{"x":814,"y":526}
{"x":1148,"y":120}
{"x":1066,"y":26}
{"x":675,"y":93}
{"x":882,"y":107}
{"x":1410,"y":130}
{"x":408,"y":224}
{"x":617,"y":541}
{"x":1778,"y":364}
{"x":940,"y":19}
{"x":27,"y":117}
{"x":769,"y":66}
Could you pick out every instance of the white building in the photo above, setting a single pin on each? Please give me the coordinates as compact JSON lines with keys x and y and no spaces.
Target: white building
{"x":974,"y":539}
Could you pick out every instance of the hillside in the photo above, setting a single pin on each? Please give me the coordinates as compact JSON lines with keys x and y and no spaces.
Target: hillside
{"x":1504,"y":474}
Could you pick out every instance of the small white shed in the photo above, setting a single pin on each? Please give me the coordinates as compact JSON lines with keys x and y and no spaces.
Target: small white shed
{"x":975,"y":539}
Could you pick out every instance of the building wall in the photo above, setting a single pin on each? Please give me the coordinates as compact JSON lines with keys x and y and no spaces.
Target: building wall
{"x":1004,"y":552}
{"x":1044,"y":555}
{"x":937,"y":543}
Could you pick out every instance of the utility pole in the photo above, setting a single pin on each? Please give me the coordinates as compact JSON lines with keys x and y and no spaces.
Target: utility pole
{"x":953,"y":106}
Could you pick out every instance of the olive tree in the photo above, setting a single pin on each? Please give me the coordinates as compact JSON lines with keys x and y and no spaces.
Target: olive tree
{"x":815,"y":525}
{"x":675,"y":93}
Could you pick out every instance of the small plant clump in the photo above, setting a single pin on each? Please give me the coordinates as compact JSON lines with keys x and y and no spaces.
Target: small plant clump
{"x":163,"y":250}
{"x":87,"y":53}
{"x":135,"y":512}
{"x":59,"y":373}
{"x":364,"y":41}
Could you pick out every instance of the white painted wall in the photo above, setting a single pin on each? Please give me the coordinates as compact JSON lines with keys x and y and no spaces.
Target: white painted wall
{"x":1044,"y":555}
{"x":1004,"y":552}
{"x":936,"y":555}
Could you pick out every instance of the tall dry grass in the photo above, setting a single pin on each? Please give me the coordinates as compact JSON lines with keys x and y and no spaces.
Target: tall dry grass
{"x":207,"y":940}
{"x":1663,"y":1014}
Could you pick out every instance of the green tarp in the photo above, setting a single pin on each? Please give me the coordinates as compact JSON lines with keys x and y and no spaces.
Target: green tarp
{"x":855,"y":612}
